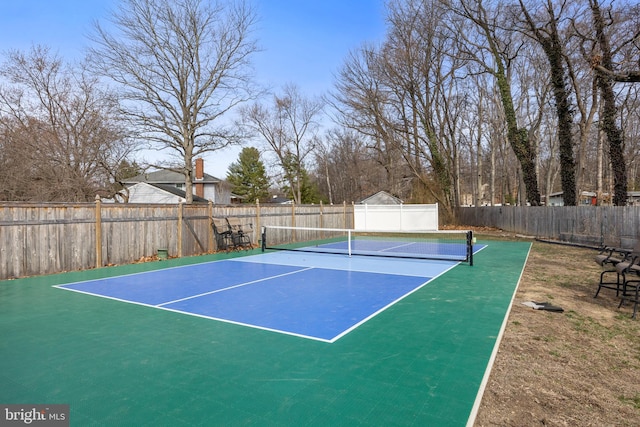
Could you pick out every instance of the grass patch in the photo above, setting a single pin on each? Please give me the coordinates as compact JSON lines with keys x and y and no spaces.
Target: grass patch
{"x":545,"y":338}
{"x":624,"y":327}
{"x":633,"y":401}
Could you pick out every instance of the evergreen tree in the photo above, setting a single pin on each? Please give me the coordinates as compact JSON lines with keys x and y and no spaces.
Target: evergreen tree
{"x":127,"y":169}
{"x":248,"y":176}
{"x":123,"y":171}
{"x":310,"y":190}
{"x":294,"y":171}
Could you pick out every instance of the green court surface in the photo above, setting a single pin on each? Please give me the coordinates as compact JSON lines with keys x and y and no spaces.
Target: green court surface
{"x":421,"y":362}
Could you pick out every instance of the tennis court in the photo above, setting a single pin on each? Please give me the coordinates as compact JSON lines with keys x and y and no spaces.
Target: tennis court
{"x":277,"y":338}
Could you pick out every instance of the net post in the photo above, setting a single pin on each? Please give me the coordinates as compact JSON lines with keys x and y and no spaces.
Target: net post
{"x":349,"y":242}
{"x":263,"y":234}
{"x":470,"y":247}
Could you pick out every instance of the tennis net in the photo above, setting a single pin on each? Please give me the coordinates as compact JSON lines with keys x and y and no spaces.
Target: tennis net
{"x":451,"y":245}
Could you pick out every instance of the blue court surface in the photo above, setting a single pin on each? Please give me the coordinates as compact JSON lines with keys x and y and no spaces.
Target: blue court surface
{"x":315,"y":296}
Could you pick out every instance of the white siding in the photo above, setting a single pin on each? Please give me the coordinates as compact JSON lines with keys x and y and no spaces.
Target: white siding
{"x":145,"y":193}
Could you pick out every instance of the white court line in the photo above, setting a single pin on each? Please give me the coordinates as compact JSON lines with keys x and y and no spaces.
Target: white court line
{"x":485,"y":379}
{"x":374,"y":314}
{"x":357,"y":263}
{"x":188,"y":313}
{"x":247,"y":325}
{"x":397,"y":246}
{"x":160,"y":269}
{"x":234,"y":286}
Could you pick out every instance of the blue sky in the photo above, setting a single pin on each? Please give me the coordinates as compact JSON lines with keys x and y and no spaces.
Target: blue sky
{"x":306,"y":42}
{"x":302,"y":41}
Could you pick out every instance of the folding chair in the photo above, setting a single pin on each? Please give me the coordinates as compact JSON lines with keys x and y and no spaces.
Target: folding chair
{"x":240,"y":233}
{"x":223,"y":234}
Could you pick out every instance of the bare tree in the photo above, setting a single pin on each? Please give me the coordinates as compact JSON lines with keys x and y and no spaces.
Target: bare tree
{"x":61,"y":136}
{"x":609,"y":109}
{"x":324,"y":178}
{"x":362,"y":100}
{"x":182,"y":65}
{"x":626,"y":69}
{"x":584,"y":86}
{"x":630,"y":124}
{"x":493,"y":51}
{"x":545,"y":28}
{"x":289,"y":127}
{"x":405,"y":98}
{"x":346,"y":167}
{"x":427,"y":98}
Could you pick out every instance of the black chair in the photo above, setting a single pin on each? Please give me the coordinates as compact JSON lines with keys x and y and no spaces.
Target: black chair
{"x":240,"y":233}
{"x":611,"y":257}
{"x":223,"y":234}
{"x":630,"y":284}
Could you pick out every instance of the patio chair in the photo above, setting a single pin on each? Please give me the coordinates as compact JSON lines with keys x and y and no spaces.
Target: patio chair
{"x":240,"y":233}
{"x":630,"y":288}
{"x":611,"y":257}
{"x":223,"y":234}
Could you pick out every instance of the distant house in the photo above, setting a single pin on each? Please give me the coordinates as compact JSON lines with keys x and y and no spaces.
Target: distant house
{"x":381,"y":198}
{"x":585,"y":198}
{"x":143,"y":192}
{"x":554,"y":199}
{"x":633,"y":198}
{"x":168,"y":185}
{"x":279,"y":200}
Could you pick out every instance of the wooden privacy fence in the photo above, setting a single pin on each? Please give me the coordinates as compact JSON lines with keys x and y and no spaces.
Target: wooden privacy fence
{"x":588,"y":225}
{"x":50,"y":238}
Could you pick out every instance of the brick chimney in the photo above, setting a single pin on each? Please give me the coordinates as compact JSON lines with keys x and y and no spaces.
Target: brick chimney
{"x":199,"y":184}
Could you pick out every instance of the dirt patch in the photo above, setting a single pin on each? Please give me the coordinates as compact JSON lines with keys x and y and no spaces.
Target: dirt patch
{"x":576,"y":368}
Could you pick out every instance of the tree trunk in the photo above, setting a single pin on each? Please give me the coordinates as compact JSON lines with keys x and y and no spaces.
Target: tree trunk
{"x":609,"y":111}
{"x":549,"y":40}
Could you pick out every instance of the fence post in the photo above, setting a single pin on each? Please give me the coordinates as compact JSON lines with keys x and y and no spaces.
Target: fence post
{"x":210,"y":232}
{"x":257,"y":230}
{"x":98,"y":232}
{"x":180,"y":230}
{"x":344,"y":214}
{"x":322,"y":234}
{"x":294,"y":237}
{"x":353,"y":214}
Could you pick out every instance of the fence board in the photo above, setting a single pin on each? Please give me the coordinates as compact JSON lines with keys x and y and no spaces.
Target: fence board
{"x":593,"y":225}
{"x":44,"y":238}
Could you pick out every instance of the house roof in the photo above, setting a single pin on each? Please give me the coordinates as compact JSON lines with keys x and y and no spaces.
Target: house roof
{"x":167,"y":177}
{"x":279,"y":200}
{"x":381,"y":198}
{"x":143,"y":192}
{"x":180,"y":193}
{"x":583,"y":193}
